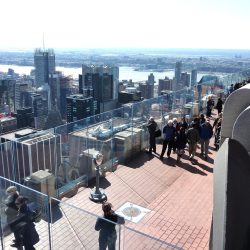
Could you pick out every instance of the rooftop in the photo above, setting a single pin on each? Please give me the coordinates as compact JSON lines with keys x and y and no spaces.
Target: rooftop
{"x":176,"y":200}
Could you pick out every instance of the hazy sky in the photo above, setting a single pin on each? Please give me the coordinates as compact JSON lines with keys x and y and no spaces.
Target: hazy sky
{"x":125,"y":23}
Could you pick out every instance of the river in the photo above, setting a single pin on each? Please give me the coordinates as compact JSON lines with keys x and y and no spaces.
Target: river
{"x":125,"y":73}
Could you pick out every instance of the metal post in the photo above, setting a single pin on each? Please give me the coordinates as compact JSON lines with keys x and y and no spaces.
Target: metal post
{"x":97,"y":194}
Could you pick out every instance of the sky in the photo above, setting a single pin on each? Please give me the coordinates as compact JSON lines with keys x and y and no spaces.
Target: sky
{"x":220,"y":24}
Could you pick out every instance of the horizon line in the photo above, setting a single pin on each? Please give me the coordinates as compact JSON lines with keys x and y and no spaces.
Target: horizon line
{"x":124,"y":48}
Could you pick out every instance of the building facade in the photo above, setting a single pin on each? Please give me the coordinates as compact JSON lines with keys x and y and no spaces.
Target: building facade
{"x":44,"y":62}
{"x":80,"y":107}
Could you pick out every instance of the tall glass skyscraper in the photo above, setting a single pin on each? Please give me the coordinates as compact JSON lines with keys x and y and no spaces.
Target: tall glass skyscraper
{"x":44,"y":62}
{"x":178,"y":68}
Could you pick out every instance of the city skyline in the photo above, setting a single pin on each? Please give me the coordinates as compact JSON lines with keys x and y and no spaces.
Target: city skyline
{"x":131,"y":24}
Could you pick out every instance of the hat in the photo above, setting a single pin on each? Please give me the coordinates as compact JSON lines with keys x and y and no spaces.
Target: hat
{"x":11,"y":189}
{"x":151,"y":118}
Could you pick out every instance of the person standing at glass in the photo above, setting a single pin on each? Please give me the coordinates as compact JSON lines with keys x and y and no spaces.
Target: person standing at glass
{"x":106,"y":226}
{"x":152,"y":125}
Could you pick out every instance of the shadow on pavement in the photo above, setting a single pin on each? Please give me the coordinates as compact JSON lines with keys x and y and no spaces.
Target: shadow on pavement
{"x":190,"y":168}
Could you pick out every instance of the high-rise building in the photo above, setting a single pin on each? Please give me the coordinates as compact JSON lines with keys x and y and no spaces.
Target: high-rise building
{"x":65,"y":90}
{"x":178,"y":68}
{"x":129,"y":95}
{"x":100,"y":82}
{"x":164,"y":84}
{"x":25,"y":117}
{"x":80,"y":107}
{"x":185,"y":80}
{"x":55,"y":91}
{"x":7,"y":94}
{"x":33,"y":151}
{"x":193,"y":77}
{"x":40,"y":109}
{"x":44,"y":62}
{"x":147,"y":90}
{"x":151,"y":79}
{"x":21,"y":95}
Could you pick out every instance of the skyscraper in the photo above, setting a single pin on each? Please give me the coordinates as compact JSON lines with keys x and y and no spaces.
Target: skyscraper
{"x":185,"y":80}
{"x":44,"y":62}
{"x":40,"y":109}
{"x":21,"y":95}
{"x":7,"y":94}
{"x":193,"y":77}
{"x":164,"y":84}
{"x":100,"y":82}
{"x":178,"y":68}
{"x":151,"y":79}
{"x":80,"y":107}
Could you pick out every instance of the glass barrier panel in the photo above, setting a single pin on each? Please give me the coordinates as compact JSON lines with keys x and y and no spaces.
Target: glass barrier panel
{"x":74,"y":228}
{"x":134,"y":240}
{"x":19,"y":226}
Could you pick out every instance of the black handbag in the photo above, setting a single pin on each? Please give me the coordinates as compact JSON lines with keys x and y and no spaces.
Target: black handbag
{"x":158,"y":133}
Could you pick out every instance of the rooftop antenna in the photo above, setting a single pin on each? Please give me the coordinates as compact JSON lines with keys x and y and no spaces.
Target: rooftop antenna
{"x":43,"y":43}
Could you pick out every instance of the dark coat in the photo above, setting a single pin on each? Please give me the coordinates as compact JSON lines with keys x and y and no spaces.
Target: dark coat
{"x":152,"y":125}
{"x":105,"y":225}
{"x":169,"y":133}
{"x":11,"y":208}
{"x":219,"y":105}
{"x":181,"y":140}
{"x":206,"y":131}
{"x":24,"y":225}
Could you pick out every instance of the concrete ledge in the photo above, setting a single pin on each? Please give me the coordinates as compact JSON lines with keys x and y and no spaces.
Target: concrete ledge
{"x":241,"y":130}
{"x":231,"y":221}
{"x":234,"y":105}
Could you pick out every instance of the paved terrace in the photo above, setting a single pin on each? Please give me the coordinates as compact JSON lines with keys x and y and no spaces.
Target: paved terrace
{"x":178,"y":195}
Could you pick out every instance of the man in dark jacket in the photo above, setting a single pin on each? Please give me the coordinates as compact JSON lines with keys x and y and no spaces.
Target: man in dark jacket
{"x":106,"y":226}
{"x":26,"y":234}
{"x":168,"y":139}
{"x":192,"y":138}
{"x":152,"y":125}
{"x":219,"y":105}
{"x":206,"y":133}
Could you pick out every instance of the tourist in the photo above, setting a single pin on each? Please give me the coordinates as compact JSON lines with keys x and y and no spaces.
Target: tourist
{"x":176,"y":126}
{"x":26,"y":234}
{"x":181,"y":140}
{"x":206,"y":133}
{"x":183,"y":123}
{"x":210,"y":104}
{"x":168,"y":139}
{"x":11,"y":209}
{"x":192,"y":139}
{"x":152,"y":126}
{"x":218,"y":105}
{"x":106,"y":226}
{"x":202,"y":118}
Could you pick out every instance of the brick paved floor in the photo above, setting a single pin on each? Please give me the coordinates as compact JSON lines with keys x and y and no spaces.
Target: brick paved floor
{"x":179,"y":196}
